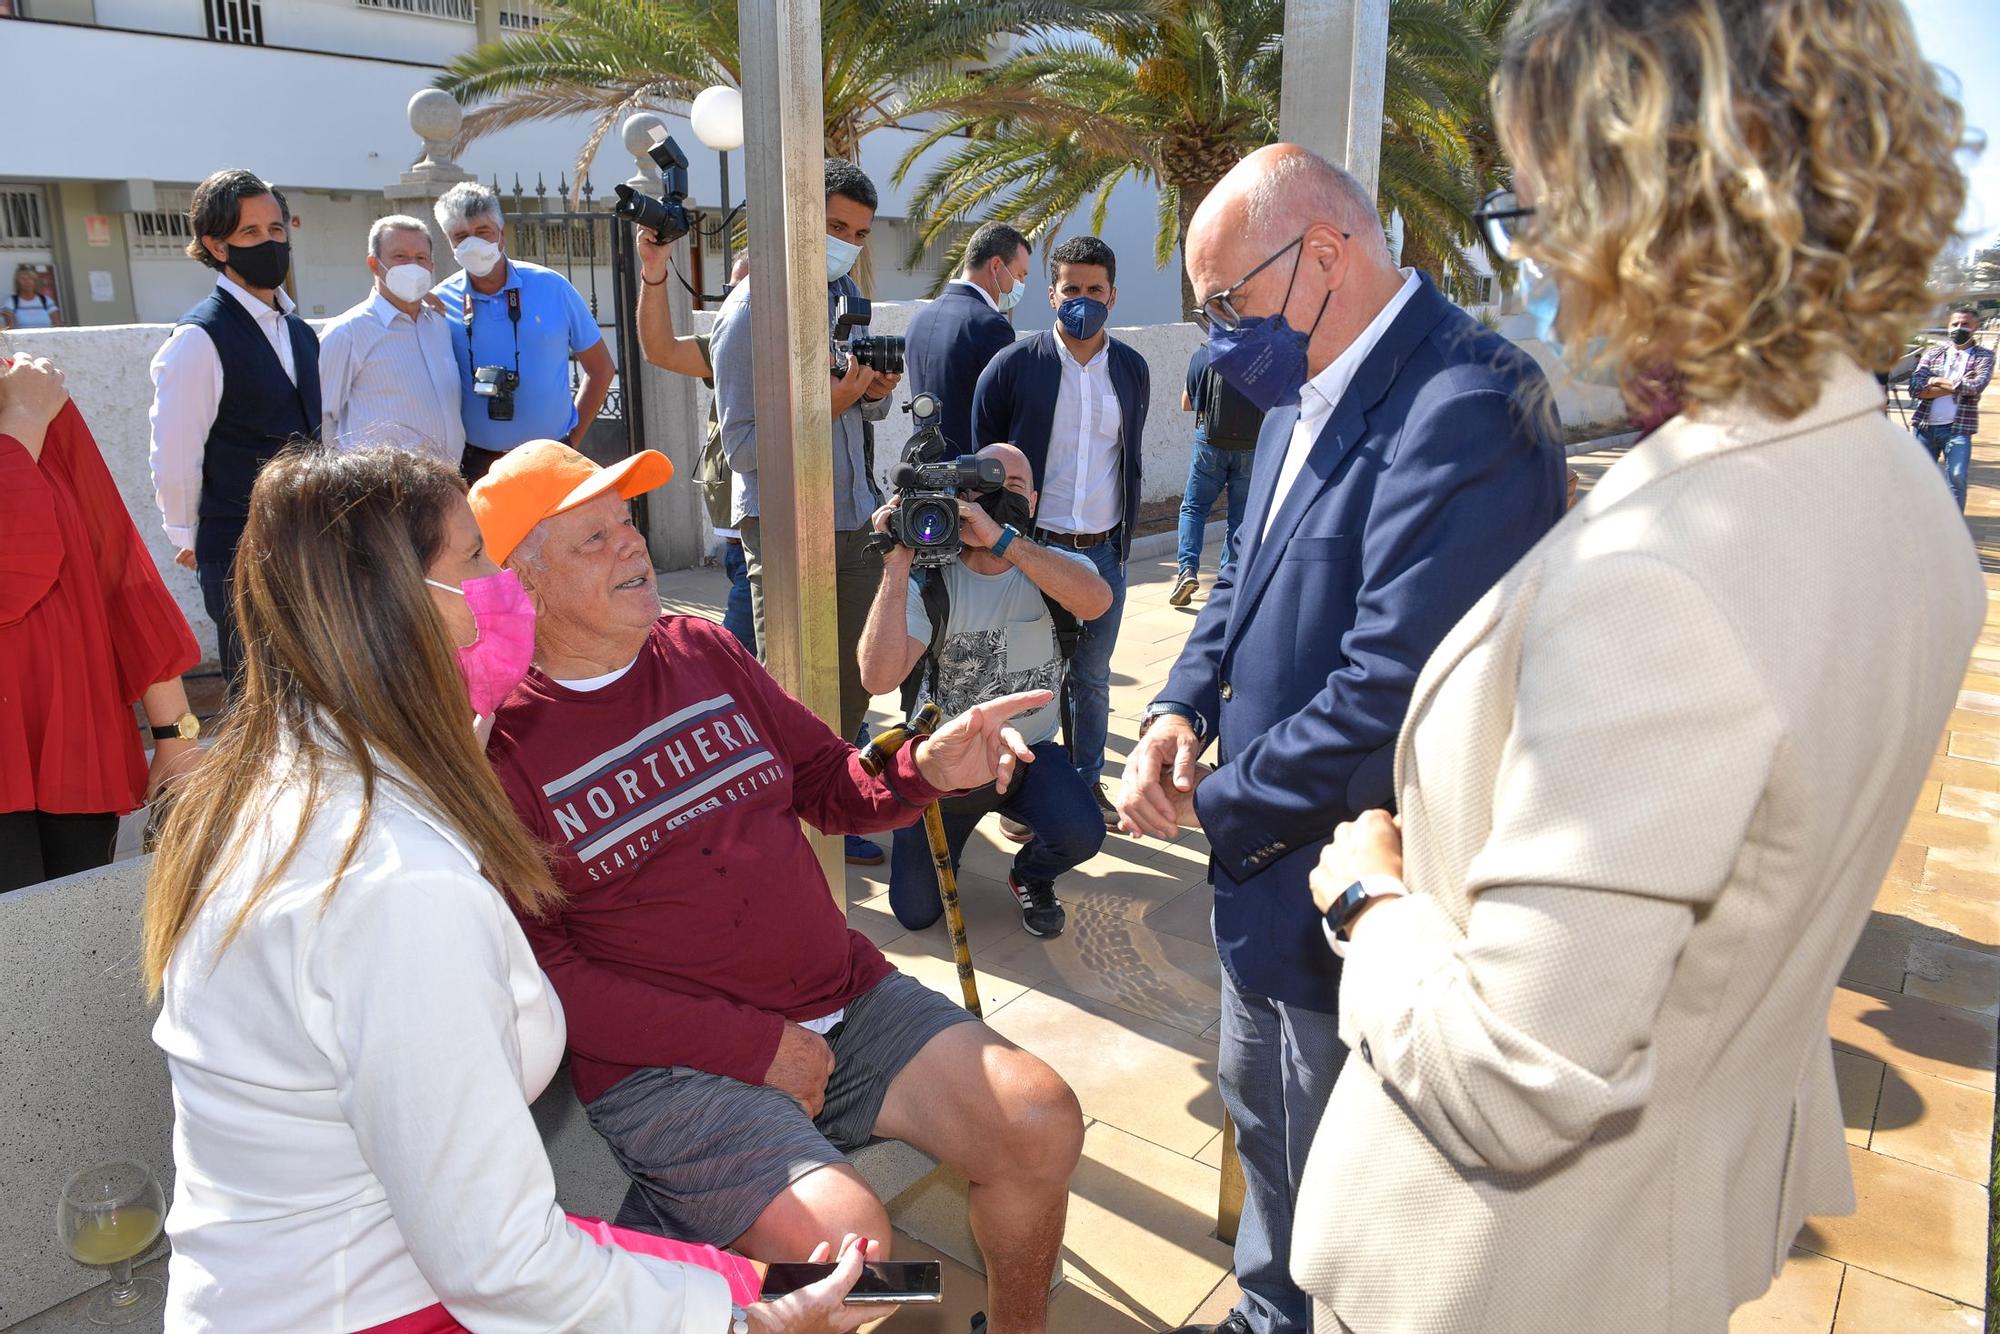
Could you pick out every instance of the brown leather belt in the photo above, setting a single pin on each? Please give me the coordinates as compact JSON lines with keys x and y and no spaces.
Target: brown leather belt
{"x":1074,"y":541}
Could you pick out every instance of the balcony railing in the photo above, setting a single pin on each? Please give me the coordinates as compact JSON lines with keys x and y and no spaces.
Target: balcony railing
{"x":459,"y":11}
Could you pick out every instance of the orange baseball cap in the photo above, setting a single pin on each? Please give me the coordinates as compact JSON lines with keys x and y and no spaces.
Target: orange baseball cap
{"x":530,"y":482}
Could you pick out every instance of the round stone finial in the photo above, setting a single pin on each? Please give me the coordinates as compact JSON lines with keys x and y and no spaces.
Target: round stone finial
{"x":434,"y":115}
{"x":638,"y":132}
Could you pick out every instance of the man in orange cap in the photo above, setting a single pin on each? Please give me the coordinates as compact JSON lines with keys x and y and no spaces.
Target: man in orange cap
{"x":730,"y":1035}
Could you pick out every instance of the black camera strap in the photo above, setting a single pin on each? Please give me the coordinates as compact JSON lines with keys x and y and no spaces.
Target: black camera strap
{"x":513,"y":314}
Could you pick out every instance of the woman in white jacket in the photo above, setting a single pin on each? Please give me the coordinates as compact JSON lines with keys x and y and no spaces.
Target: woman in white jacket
{"x":354,"y":1022}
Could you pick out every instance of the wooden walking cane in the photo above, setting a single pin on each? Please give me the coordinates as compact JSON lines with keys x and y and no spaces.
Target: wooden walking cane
{"x":874,"y":759}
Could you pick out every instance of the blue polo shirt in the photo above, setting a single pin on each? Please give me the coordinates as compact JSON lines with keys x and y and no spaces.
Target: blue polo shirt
{"x":556,"y":325}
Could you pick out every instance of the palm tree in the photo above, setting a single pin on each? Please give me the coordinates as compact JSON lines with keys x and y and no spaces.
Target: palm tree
{"x":1178,"y":103}
{"x":603,"y":59}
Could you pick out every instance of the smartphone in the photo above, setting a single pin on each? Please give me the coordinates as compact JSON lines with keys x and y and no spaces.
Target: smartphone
{"x":895,"y":1282}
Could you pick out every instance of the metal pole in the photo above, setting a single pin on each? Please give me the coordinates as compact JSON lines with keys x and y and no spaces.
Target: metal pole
{"x":1336,"y":54}
{"x":728,"y":225}
{"x":784,"y":158}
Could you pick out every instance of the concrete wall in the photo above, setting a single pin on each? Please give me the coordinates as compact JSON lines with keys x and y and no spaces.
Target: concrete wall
{"x":84,"y":1082}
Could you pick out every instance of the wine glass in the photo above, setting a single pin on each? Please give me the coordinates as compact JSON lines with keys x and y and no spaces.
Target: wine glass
{"x":109,"y":1215}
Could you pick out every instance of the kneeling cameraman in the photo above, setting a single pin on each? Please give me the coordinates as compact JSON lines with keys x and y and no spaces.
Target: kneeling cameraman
{"x":984,"y":626}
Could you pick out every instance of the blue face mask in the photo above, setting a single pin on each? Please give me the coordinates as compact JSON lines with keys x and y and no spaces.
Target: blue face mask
{"x":840,"y":257}
{"x":1264,"y":357}
{"x":1541,"y":301}
{"x":1011,"y":298}
{"x":1081,"y":316}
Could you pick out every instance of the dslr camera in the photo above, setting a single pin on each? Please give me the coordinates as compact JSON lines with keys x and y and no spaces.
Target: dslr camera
{"x":667,"y":216}
{"x":883,"y":352}
{"x":496,"y":384}
{"x":926,"y":520}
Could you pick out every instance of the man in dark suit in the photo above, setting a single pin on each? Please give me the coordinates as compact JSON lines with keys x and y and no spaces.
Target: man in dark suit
{"x":1074,"y":401}
{"x":1407,"y":460}
{"x":953,"y":338}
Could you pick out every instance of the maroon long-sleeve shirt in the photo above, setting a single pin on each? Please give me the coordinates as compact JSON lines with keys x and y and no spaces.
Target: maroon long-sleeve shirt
{"x":698,"y":920}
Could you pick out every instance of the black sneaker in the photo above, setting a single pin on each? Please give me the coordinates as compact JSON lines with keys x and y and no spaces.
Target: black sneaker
{"x":1041,"y":911}
{"x":1233,"y":1323}
{"x":1106,"y":809}
{"x":1185,"y":586}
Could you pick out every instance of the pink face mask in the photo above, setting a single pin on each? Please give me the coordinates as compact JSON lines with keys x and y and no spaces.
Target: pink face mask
{"x":503,"y":623}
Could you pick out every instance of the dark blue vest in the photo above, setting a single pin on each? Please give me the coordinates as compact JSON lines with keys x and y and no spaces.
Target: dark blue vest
{"x":261,"y":412}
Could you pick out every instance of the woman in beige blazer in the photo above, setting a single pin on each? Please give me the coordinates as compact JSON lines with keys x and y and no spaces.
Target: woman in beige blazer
{"x":1650,"y":784}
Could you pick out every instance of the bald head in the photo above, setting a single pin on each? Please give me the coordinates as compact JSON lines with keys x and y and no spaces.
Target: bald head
{"x":1020,"y":474}
{"x":1338,"y":275}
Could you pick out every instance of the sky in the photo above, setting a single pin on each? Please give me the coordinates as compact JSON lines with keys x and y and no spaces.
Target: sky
{"x":1963,"y":36}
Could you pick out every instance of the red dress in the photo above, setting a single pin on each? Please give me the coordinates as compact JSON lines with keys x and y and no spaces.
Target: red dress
{"x":86,"y":626}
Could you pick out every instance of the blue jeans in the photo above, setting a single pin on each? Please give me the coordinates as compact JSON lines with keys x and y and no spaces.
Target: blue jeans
{"x":736,"y":617}
{"x":1276,"y":1070}
{"x":1090,"y":668}
{"x":1047,"y":796}
{"x":1954,"y":448}
{"x":1209,"y":471}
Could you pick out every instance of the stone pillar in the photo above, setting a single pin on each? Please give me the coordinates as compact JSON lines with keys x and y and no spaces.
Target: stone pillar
{"x":784,"y":151}
{"x":677,"y":527}
{"x":436,"y":119}
{"x":1336,"y":54}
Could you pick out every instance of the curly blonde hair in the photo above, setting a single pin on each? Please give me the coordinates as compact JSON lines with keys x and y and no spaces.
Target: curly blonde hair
{"x":1731,"y":192}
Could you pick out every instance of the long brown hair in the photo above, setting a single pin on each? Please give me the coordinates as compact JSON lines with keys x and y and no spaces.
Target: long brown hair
{"x":346,"y":665}
{"x":1731,"y":192}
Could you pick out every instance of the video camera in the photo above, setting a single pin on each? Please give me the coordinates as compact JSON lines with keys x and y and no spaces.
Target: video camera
{"x":926,"y":519}
{"x":668,"y":215}
{"x":882,"y":352}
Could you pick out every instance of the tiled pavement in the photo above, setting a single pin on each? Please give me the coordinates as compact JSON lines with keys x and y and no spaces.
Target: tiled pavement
{"x":1124,"y":1006}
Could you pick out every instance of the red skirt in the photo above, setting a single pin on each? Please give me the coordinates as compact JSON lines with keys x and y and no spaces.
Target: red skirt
{"x":744,"y":1282}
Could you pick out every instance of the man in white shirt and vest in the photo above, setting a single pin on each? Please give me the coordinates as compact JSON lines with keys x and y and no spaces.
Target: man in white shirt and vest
{"x":237,"y":381}
{"x":386,"y":371}
{"x":1074,"y":401}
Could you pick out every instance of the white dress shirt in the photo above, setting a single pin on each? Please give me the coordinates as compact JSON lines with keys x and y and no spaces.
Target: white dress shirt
{"x":387,"y":379}
{"x":984,"y":295}
{"x":1083,"y":479}
{"x":1321,"y":392}
{"x":351,"y":1079}
{"x":187,"y":392}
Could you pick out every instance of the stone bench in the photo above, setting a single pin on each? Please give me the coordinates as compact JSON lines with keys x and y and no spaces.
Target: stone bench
{"x":83,"y":1083}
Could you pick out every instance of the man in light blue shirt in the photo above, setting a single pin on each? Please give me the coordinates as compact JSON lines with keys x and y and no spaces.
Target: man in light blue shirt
{"x":517,"y":320}
{"x":385,"y":365}
{"x":860,"y":396}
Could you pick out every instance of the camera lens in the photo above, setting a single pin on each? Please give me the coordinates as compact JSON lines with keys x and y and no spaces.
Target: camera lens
{"x":932,"y":522}
{"x":883,"y":353}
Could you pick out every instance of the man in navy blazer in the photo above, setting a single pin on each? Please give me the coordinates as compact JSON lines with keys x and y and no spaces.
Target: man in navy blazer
{"x":1074,"y":401}
{"x":953,"y":338}
{"x":1408,"y":458}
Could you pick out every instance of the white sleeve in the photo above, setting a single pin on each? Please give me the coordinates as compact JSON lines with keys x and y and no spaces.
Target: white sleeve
{"x":336,"y":370}
{"x":427,"y":1071}
{"x":187,"y":391}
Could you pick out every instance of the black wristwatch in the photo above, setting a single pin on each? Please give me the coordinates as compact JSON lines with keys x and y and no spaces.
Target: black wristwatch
{"x":1163,"y":707}
{"x":1352,"y":899}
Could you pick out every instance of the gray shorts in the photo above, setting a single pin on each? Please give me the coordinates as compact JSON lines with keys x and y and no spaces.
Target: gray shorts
{"x":710,"y":1153}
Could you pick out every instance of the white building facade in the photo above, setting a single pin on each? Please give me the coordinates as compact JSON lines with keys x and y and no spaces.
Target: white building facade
{"x":133,"y":101}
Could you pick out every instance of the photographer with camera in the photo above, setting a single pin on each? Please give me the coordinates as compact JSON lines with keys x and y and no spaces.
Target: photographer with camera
{"x":515,"y":327}
{"x":989,"y":622}
{"x":861,"y":389}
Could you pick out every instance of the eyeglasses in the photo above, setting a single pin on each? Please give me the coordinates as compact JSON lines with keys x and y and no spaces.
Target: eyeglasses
{"x":1498,"y":218}
{"x":1219,"y":312}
